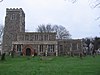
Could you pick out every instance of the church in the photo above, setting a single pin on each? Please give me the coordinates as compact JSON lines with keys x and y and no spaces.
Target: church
{"x":33,"y":43}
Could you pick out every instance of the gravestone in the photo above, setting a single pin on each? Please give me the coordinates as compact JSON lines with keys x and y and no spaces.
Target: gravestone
{"x":3,"y":57}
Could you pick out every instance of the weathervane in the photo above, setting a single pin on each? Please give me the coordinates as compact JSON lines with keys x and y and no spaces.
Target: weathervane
{"x":1,"y":0}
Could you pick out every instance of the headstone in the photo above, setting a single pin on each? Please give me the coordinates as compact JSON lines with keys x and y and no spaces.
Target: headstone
{"x":80,"y":55}
{"x":12,"y":54}
{"x":3,"y":56}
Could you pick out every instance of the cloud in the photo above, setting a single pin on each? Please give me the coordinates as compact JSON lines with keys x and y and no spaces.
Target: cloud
{"x":78,"y":18}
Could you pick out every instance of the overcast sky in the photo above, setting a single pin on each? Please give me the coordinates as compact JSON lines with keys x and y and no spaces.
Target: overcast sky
{"x":78,"y":18}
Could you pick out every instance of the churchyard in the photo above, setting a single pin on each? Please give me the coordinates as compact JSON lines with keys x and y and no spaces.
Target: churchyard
{"x":51,"y":65}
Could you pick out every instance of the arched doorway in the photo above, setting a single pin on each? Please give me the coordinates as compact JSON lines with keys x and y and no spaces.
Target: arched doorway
{"x":28,"y":51}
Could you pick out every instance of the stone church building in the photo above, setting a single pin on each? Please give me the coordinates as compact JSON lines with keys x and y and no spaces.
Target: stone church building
{"x":32,"y":43}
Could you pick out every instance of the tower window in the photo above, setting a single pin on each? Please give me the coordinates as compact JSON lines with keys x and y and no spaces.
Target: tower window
{"x":13,"y":17}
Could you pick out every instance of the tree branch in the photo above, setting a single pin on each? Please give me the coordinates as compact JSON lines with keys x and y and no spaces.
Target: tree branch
{"x":1,"y":0}
{"x":97,"y":5}
{"x":97,"y":18}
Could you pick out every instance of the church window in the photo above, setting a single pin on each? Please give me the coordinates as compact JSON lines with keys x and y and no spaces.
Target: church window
{"x":50,"y":48}
{"x":41,"y":48}
{"x":61,"y":47}
{"x":19,"y":48}
{"x":36,"y":37}
{"x":31,"y":37}
{"x":26,"y":37}
{"x":74,"y":46}
{"x":50,"y":37}
{"x":40,"y":37}
{"x":46,"y":37}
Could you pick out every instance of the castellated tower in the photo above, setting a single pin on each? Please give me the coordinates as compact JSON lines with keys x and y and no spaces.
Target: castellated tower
{"x":14,"y":23}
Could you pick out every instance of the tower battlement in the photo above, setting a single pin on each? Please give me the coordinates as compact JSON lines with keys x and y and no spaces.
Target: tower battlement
{"x":14,"y":9}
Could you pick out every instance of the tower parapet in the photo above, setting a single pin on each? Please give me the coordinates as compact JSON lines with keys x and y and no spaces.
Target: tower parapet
{"x":15,"y":10}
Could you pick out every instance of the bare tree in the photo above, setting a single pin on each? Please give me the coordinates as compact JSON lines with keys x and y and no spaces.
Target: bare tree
{"x":49,"y":28}
{"x":1,"y":31}
{"x":44,"y":28}
{"x":94,"y":3}
{"x":61,"y":31}
{"x":73,"y":1}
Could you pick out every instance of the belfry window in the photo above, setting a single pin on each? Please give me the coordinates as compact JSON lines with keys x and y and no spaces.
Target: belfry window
{"x":13,"y":17}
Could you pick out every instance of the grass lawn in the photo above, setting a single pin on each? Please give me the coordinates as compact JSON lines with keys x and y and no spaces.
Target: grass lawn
{"x":50,"y":66}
